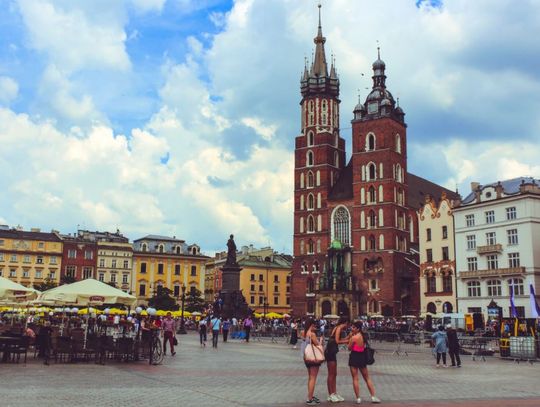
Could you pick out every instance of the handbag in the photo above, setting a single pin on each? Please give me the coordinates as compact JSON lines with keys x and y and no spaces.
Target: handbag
{"x":370,"y":355}
{"x":175,"y":341}
{"x":314,"y":354}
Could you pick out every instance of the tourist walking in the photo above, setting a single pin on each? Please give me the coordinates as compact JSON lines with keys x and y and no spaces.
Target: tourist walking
{"x":169,"y":333}
{"x":202,"y":332}
{"x":453,"y":346}
{"x":225,"y":328}
{"x":310,"y":339}
{"x":330,"y":354}
{"x":440,"y":339}
{"x":248,"y":324}
{"x":294,"y":333}
{"x":215,"y":323}
{"x":358,"y":362}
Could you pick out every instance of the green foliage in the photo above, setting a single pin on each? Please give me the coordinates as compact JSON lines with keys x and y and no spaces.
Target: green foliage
{"x":194,"y":301}
{"x":163,"y":300}
{"x":67,"y":280}
{"x":46,"y":285}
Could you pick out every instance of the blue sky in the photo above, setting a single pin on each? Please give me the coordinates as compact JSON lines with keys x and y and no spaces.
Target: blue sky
{"x":179,"y":116}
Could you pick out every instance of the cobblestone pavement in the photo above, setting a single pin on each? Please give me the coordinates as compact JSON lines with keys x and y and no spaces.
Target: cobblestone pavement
{"x":263,"y":374}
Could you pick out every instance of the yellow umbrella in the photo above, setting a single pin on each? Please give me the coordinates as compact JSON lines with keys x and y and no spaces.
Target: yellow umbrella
{"x":273,"y":315}
{"x":257,"y":314}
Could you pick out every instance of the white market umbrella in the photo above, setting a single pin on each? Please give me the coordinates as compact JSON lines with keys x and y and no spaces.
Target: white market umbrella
{"x":12,"y":291}
{"x":87,"y":292}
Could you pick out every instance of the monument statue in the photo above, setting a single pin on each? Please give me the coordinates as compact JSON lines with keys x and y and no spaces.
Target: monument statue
{"x":231,"y":252}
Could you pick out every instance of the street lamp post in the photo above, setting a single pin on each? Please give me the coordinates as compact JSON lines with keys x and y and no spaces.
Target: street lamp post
{"x":182,"y":330}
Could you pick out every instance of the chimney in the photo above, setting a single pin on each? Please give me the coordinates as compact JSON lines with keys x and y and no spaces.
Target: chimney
{"x":474,"y":186}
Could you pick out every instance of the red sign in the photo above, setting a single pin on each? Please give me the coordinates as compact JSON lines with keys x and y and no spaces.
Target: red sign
{"x":97,"y":298}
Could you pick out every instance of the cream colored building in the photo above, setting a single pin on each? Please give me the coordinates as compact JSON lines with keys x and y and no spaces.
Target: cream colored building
{"x":437,"y":256}
{"x":114,"y":258}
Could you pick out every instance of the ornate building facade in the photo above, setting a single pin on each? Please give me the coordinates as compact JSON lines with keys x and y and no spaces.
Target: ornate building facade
{"x":354,"y":222}
{"x":437,"y":256}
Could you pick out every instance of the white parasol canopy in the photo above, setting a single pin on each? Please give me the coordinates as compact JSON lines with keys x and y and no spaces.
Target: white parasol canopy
{"x":87,"y":292}
{"x":12,"y":291}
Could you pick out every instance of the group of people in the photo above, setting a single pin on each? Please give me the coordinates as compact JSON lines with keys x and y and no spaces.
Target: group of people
{"x":446,"y":341}
{"x":217,"y":325}
{"x":342,"y":333}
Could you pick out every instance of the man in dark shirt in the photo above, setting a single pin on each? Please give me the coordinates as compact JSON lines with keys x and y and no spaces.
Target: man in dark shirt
{"x":453,"y":345}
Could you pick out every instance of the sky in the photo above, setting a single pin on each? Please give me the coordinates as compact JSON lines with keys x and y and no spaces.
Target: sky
{"x":178,"y":117}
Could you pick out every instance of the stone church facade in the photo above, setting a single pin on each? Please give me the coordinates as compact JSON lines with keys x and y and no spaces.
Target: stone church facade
{"x":355,"y":224}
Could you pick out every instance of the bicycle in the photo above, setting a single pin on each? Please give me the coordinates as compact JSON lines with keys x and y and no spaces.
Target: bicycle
{"x":156,"y":349}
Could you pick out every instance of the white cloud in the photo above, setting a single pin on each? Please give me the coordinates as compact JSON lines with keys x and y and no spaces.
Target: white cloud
{"x":56,"y":92}
{"x":487,"y":162}
{"x":72,"y":39}
{"x":9,"y":89}
{"x":145,"y":6}
{"x":451,"y":68}
{"x":266,"y":132}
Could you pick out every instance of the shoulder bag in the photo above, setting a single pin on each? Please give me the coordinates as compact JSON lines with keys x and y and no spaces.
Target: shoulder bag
{"x":314,"y":353}
{"x":370,"y":354}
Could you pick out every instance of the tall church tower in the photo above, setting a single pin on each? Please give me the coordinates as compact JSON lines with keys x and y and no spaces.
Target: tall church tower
{"x":381,"y":238}
{"x":319,"y":157}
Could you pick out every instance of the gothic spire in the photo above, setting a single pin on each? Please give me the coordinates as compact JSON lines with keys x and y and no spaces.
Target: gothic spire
{"x":320,"y":67}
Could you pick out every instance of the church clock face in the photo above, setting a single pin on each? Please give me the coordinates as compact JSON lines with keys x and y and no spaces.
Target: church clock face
{"x":373,"y":107}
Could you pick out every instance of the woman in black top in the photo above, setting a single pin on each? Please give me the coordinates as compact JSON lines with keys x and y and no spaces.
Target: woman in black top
{"x":330,"y":353}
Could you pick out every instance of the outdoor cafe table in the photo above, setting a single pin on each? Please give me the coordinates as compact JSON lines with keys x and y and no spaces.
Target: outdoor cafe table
{"x":5,"y":342}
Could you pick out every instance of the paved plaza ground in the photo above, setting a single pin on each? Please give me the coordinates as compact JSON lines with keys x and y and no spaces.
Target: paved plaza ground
{"x":263,"y":374}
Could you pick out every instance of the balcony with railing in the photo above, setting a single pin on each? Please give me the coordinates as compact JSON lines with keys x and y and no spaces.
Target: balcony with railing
{"x":488,"y":249}
{"x":492,"y":273}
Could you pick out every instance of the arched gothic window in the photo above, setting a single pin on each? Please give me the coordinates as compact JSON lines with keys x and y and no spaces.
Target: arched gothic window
{"x":342,"y":225}
{"x":311,"y":201}
{"x":372,"y":219}
{"x":310,"y":180}
{"x":370,"y":142}
{"x":336,"y":140}
{"x":372,"y":171}
{"x":336,"y":159}
{"x":398,"y":173}
{"x":311,"y":247}
{"x":310,"y":139}
{"x":310,"y":224}
{"x":372,"y":195}
{"x":309,"y":159}
{"x":372,"y":243}
{"x":398,"y":143}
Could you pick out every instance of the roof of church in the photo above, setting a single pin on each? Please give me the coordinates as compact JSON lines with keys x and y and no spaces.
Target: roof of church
{"x":418,"y":188}
{"x":342,"y":189}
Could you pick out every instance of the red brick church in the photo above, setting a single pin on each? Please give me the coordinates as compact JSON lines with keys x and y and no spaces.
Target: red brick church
{"x":354,"y":222}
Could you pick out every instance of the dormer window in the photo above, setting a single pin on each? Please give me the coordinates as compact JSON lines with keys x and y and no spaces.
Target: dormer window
{"x":373,"y":107}
{"x":160,"y":248}
{"x":144,"y":247}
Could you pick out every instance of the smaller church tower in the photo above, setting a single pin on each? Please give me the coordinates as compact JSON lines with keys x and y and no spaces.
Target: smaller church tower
{"x":381,"y":238}
{"x":319,"y":157}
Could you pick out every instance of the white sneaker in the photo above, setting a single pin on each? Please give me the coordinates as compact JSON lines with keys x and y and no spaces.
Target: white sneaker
{"x":358,"y":400}
{"x":339,"y":397}
{"x":333,"y":398}
{"x":375,"y":399}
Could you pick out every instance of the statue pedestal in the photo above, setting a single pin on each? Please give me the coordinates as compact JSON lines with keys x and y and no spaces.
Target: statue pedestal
{"x":234,"y":303}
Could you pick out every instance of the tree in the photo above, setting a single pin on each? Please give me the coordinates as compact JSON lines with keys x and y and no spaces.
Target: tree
{"x":163,"y":300}
{"x":194,"y":301}
{"x":46,"y":285}
{"x":65,"y":279}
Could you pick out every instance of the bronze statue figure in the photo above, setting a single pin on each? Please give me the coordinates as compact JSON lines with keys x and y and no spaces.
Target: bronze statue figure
{"x":231,"y":252}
